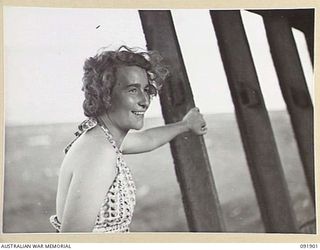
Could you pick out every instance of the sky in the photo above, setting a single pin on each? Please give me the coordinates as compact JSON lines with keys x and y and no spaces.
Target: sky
{"x":45,"y":48}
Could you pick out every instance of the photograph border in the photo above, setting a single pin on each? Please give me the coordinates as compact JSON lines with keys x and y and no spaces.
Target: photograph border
{"x":165,"y":237}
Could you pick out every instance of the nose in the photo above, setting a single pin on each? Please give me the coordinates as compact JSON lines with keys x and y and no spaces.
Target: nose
{"x":144,"y":100}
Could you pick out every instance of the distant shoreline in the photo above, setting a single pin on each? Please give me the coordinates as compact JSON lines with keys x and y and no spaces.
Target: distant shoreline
{"x":12,"y":125}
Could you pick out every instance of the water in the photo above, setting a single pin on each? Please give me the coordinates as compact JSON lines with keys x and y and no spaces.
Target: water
{"x":33,"y":155}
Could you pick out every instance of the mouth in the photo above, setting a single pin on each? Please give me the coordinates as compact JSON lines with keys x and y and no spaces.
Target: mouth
{"x":139,"y":114}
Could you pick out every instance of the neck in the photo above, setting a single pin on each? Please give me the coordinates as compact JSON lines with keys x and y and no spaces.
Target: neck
{"x":117,"y":133}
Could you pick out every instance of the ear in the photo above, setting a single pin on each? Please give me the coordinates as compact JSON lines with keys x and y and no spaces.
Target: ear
{"x":107,"y":102}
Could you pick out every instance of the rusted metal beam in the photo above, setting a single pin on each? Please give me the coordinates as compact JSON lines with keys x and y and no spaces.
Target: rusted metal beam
{"x":189,"y":152}
{"x":304,"y":20}
{"x":254,"y":124}
{"x":294,"y":89}
{"x":301,"y":19}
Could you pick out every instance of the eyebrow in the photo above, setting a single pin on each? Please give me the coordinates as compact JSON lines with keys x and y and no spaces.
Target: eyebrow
{"x":138,"y":85}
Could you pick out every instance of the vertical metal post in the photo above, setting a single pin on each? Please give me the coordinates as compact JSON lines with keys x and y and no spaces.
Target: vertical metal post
{"x":304,"y":20}
{"x":254,"y":124}
{"x":191,"y":161}
{"x":294,"y":89}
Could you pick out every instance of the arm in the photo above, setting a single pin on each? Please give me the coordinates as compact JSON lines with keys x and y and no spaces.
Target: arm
{"x":153,"y":138}
{"x":93,"y":175}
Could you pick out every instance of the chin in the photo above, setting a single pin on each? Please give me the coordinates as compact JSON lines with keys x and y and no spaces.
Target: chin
{"x":138,"y":126}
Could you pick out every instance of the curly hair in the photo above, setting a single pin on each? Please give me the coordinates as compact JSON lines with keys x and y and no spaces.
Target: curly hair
{"x":100,"y":76}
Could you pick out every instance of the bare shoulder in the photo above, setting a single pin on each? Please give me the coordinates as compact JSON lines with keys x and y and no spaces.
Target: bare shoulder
{"x":91,"y":151}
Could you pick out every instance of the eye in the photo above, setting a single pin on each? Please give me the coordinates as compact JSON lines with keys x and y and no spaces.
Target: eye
{"x":133,"y":90}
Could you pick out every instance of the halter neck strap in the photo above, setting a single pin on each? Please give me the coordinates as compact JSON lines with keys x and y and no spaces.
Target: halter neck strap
{"x":82,"y":128}
{"x":89,"y":124}
{"x":110,"y":138}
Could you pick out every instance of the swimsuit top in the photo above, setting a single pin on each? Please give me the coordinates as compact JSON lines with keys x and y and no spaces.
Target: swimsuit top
{"x":116,"y":211}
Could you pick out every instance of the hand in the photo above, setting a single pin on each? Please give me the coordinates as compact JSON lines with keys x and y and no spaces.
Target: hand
{"x":195,"y":122}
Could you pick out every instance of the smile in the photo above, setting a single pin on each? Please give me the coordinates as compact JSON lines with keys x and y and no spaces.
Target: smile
{"x":138,"y":113}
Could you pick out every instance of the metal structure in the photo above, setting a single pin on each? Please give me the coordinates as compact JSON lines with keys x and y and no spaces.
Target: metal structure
{"x":254,"y":124}
{"x":191,"y":161}
{"x":189,"y":151}
{"x":293,"y":86}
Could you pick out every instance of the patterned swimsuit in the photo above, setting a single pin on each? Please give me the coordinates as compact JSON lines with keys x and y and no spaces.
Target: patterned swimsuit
{"x":116,"y":211}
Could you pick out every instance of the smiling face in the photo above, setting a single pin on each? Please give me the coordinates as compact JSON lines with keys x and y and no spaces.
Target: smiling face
{"x":129,"y":98}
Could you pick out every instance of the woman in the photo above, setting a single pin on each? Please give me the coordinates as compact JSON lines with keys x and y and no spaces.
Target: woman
{"x":96,"y":191}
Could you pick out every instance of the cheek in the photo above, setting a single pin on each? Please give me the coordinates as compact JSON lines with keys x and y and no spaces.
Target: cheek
{"x":124,"y":102}
{"x":128,"y":101}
